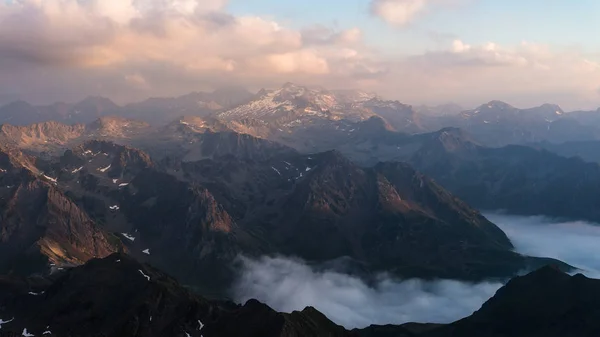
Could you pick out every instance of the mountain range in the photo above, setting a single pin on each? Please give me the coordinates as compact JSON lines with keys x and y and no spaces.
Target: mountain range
{"x":199,"y":216}
{"x":292,"y":114}
{"x":99,"y":196}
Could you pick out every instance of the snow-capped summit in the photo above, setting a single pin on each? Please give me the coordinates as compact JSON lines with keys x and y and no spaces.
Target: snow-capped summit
{"x":289,"y":99}
{"x":291,"y":102}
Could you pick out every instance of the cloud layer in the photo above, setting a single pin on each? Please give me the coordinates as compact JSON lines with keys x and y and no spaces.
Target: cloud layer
{"x":132,"y":49}
{"x":287,"y":284}
{"x":575,"y":242}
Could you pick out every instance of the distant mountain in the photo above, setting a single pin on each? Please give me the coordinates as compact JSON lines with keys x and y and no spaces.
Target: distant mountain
{"x":22,"y":113}
{"x":518,"y":179}
{"x":196,"y":138}
{"x":188,"y":138}
{"x":497,"y":124}
{"x":231,"y":96}
{"x":449,"y":109}
{"x":586,"y":117}
{"x":155,"y":111}
{"x":303,"y":117}
{"x":291,"y":105}
{"x":111,"y":127}
{"x":56,"y":137}
{"x":161,"y":110}
{"x":308,"y":119}
{"x":401,"y":116}
{"x":41,"y":136}
{"x":586,"y":150}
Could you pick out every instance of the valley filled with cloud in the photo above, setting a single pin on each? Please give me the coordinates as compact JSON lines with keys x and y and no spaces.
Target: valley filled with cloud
{"x":288,"y":284}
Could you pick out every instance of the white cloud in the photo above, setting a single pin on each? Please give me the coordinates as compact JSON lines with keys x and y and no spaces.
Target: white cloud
{"x":458,"y":46}
{"x":288,"y":284}
{"x":402,"y":12}
{"x":157,"y":39}
{"x":575,"y":242}
{"x":397,"y":12}
{"x":525,"y":75}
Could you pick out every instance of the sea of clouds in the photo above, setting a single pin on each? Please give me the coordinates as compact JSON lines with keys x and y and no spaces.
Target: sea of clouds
{"x":288,"y":284}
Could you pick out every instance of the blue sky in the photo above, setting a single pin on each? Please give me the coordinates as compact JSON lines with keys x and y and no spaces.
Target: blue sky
{"x":559,"y":23}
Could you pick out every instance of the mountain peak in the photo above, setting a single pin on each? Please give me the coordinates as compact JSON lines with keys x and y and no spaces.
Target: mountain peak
{"x":289,"y":85}
{"x":292,"y":89}
{"x":376,"y":124}
{"x":95,"y":100}
{"x":553,"y":108}
{"x":497,"y":105}
{"x":18,"y":104}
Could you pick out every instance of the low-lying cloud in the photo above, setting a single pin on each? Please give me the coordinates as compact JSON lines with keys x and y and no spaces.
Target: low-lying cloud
{"x":289,"y":284}
{"x":574,"y":242}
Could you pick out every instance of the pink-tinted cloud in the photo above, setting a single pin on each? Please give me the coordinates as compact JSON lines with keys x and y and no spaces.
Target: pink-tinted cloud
{"x":130,"y":49}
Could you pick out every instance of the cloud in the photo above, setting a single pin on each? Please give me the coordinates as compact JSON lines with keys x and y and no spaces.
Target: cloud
{"x":290,"y":284}
{"x":287,"y":285}
{"x":397,"y":12}
{"x":575,"y":242}
{"x":525,"y":75}
{"x":155,"y":39}
{"x":321,"y":35}
{"x":68,"y":49}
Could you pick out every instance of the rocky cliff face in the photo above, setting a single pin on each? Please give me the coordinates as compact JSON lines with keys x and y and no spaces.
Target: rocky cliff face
{"x":188,"y":231}
{"x":124,"y":161}
{"x":115,"y":127}
{"x":40,"y":225}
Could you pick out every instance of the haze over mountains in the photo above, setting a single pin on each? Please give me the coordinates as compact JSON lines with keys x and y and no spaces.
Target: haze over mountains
{"x":204,"y":185}
{"x":293,"y":107}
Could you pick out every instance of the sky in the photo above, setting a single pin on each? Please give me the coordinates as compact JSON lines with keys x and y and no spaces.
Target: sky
{"x":526,"y":52}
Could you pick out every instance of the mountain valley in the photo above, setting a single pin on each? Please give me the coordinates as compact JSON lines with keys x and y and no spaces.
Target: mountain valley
{"x":342,"y":180}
